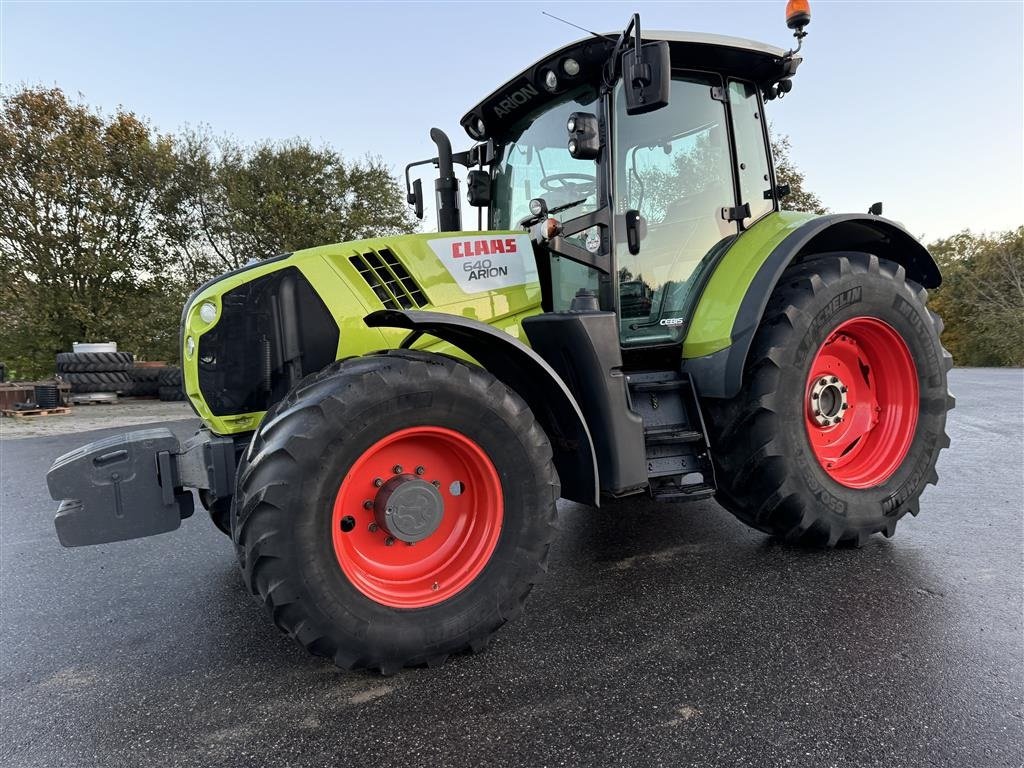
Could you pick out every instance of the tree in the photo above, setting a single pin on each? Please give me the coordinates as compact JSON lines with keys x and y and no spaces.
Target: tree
{"x":106,"y":226}
{"x":786,"y":172}
{"x":981,"y":299}
{"x":230,"y":203}
{"x":79,"y":200}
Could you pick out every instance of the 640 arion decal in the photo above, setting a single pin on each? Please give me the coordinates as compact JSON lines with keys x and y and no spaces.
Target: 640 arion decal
{"x":487,"y":263}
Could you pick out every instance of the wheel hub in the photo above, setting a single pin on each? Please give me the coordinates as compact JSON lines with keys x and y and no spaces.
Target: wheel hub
{"x":827,"y":401}
{"x":862,"y":402}
{"x":408,"y":508}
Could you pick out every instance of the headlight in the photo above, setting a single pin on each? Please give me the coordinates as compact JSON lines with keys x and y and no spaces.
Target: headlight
{"x":207,"y":312}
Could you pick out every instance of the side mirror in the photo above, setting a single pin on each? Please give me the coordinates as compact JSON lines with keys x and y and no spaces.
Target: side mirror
{"x":415,"y":198}
{"x":478,"y":188}
{"x":646,"y":76}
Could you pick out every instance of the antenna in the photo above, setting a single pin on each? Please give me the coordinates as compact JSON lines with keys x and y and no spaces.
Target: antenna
{"x":577,"y":26}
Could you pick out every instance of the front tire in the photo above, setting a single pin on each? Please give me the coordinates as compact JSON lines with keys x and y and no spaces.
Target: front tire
{"x":842,"y":413}
{"x":395,"y":509}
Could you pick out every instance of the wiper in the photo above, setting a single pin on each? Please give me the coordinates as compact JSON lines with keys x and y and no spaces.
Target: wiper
{"x":567,"y":206}
{"x":529,"y":221}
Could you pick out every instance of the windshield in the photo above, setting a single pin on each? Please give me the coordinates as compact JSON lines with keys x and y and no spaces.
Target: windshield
{"x":537,"y":163}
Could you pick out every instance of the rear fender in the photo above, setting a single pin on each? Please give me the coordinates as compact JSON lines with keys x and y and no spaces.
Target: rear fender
{"x":525,"y":372}
{"x":731,"y":307}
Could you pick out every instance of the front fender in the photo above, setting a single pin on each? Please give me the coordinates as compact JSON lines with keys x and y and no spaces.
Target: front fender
{"x":732,"y":303}
{"x":525,"y":372}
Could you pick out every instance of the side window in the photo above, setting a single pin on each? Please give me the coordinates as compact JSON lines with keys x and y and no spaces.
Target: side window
{"x":751,"y":152}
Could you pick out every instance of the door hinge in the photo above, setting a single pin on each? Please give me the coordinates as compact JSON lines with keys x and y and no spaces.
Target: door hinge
{"x":737,"y":213}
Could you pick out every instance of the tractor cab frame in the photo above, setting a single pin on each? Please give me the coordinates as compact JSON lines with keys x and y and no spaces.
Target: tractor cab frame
{"x":612,"y":198}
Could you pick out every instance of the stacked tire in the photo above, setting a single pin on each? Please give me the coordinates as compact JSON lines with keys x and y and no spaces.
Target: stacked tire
{"x":90,"y":372}
{"x":170,"y":384}
{"x":145,"y":380}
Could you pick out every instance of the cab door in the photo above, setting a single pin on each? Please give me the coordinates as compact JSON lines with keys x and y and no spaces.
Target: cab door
{"x":674,"y":166}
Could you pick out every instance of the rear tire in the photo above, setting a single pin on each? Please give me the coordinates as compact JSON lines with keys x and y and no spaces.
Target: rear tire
{"x":171,"y":394}
{"x":107,"y":381}
{"x":316,"y":557}
{"x":838,"y":473}
{"x":93,"y":362}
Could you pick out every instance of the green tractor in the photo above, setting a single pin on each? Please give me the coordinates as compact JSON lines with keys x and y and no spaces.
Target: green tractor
{"x":389,"y":423}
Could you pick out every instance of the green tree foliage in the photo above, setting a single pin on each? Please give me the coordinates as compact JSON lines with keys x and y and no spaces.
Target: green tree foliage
{"x":106,"y":226}
{"x":230,"y":203}
{"x":79,"y":226}
{"x":981,"y":299}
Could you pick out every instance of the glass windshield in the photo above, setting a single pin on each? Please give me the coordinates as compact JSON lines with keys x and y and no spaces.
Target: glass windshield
{"x":673,"y":166}
{"x":537,"y":163}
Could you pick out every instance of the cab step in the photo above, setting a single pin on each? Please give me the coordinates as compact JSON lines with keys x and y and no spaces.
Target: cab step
{"x":678,"y":455}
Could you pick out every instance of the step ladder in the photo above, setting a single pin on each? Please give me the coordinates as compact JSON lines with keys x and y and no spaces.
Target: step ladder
{"x":679,"y":466}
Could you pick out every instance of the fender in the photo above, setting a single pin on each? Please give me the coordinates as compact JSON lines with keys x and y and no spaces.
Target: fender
{"x":715,"y":358}
{"x":525,"y":372}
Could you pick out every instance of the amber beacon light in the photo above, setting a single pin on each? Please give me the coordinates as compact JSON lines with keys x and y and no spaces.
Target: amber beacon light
{"x":798,"y":15}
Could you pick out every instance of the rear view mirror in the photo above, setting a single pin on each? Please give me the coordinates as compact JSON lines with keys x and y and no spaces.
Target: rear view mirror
{"x":478,"y":188}
{"x":646,"y":76}
{"x":416,"y":198}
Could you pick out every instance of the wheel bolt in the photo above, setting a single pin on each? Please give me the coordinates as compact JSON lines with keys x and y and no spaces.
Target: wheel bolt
{"x":389,"y":541}
{"x":823,"y":382}
{"x":377,"y":482}
{"x":420,"y":470}
{"x":372,"y":527}
{"x":817,"y":412}
{"x":436,"y":483}
{"x":368,"y":504}
{"x":814,"y":395}
{"x":845,"y":406}
{"x":834,"y":380}
{"x":347,"y":523}
{"x":435,"y":586}
{"x":843,"y":390}
{"x":397,"y":469}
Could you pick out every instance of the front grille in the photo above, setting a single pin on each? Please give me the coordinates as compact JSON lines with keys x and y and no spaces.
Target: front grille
{"x":389,"y":280}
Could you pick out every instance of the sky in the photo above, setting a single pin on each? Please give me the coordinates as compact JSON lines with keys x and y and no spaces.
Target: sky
{"x":916,"y":104}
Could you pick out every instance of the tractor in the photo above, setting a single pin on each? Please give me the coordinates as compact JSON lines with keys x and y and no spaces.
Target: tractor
{"x":388,"y":424}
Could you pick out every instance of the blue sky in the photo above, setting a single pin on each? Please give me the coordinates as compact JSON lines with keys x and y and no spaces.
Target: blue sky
{"x":916,"y":104}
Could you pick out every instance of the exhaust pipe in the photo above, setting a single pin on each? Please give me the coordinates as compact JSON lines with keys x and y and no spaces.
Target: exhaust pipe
{"x":449,"y":217}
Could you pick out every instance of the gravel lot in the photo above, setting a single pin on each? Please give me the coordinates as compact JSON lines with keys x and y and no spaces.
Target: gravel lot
{"x":665,"y":635}
{"x":83,"y":418}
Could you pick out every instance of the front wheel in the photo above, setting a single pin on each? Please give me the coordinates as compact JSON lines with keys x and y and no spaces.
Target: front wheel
{"x":842,"y":413}
{"x":395,"y":509}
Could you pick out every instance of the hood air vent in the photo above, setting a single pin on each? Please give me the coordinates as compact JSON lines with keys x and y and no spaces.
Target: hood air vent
{"x":392,"y":283}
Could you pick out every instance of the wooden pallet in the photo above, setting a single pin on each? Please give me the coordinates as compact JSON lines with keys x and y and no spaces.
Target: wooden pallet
{"x":32,"y":413}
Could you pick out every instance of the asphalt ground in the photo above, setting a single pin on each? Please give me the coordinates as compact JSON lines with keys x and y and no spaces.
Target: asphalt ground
{"x":664,"y":635}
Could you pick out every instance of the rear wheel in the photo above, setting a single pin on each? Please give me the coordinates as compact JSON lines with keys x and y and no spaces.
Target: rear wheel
{"x":395,"y":509}
{"x":841,"y":417}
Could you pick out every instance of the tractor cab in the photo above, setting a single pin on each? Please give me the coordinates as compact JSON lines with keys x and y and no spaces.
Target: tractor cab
{"x":630,"y":197}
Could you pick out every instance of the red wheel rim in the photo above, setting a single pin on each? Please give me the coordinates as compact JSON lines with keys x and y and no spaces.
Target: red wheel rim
{"x":401,"y":574}
{"x":862,"y":403}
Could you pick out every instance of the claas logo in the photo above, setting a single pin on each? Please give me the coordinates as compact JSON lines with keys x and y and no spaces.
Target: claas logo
{"x":462,"y":249}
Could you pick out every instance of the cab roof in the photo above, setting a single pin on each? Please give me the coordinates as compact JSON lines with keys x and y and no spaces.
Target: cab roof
{"x":525,"y":93}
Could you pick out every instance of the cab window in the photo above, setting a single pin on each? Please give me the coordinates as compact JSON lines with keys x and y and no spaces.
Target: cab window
{"x":751,"y":150}
{"x":674,"y":166}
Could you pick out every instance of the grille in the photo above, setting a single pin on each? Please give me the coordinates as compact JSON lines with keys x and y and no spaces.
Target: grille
{"x":386,"y":276}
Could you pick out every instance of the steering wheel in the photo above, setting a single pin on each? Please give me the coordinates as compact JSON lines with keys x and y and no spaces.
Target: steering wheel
{"x":577,"y":184}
